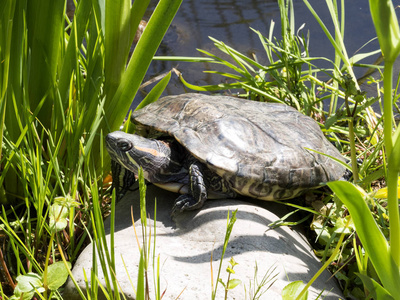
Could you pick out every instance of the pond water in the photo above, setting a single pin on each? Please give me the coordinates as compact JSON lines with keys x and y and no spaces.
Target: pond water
{"x":230,"y":21}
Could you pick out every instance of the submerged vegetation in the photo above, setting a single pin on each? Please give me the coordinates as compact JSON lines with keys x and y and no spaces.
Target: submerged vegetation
{"x":64,"y":84}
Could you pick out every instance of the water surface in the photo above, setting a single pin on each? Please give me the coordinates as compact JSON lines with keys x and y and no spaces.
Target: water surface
{"x":230,"y":22}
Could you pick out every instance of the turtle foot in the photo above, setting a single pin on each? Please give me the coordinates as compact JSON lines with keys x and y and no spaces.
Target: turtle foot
{"x":186,"y":202}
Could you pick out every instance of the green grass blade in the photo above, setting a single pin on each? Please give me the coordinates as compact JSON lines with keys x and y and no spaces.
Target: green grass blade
{"x":261,"y":92}
{"x":155,"y":92}
{"x":221,"y":61}
{"x":183,"y":58}
{"x":209,"y":88}
{"x":140,"y":289}
{"x":117,"y":42}
{"x":81,"y":18}
{"x":356,"y":58}
{"x":7,"y":9}
{"x":229,"y":226}
{"x":337,"y":42}
{"x":142,"y":189}
{"x":387,"y":27}
{"x":45,"y":19}
{"x":239,"y":57}
{"x":137,"y":12}
{"x":145,"y":49}
{"x":375,"y":289}
{"x":15,"y":39}
{"x":228,"y":75}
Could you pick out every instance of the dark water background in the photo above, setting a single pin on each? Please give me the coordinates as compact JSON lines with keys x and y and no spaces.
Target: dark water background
{"x":230,"y":21}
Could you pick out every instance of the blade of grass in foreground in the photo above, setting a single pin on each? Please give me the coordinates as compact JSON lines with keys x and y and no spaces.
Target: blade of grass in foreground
{"x":145,"y":49}
{"x":388,"y":32}
{"x":155,"y":92}
{"x":45,"y":20}
{"x":370,"y":235}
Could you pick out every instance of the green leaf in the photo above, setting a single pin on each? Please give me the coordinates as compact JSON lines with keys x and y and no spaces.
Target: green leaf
{"x":155,"y":92}
{"x":45,"y":23}
{"x":117,"y":42}
{"x":387,"y":27}
{"x":67,"y":201}
{"x":141,"y":58}
{"x":27,"y":285}
{"x":221,"y":282}
{"x":57,"y":275}
{"x":233,"y":262}
{"x":324,"y":235}
{"x":140,"y":292}
{"x":372,"y":239}
{"x":233,"y":283}
{"x":142,"y":191}
{"x":209,"y":88}
{"x":80,"y":21}
{"x":292,"y":290}
{"x":376,"y":290}
{"x":360,"y":56}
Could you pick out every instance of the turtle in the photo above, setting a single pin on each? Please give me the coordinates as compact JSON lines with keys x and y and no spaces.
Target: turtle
{"x":210,"y":147}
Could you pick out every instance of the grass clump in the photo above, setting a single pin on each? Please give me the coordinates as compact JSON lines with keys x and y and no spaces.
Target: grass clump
{"x":64,"y":85}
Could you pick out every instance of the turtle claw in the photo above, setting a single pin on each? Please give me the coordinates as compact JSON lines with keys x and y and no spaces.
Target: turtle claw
{"x":184,"y":202}
{"x":197,"y":191}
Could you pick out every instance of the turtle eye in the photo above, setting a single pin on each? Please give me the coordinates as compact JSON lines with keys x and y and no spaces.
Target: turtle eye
{"x":124,"y":145}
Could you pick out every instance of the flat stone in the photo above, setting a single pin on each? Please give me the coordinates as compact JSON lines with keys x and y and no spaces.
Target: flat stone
{"x":190,"y":245}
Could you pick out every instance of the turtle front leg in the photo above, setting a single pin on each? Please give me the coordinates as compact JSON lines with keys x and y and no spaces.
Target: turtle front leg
{"x":197,"y":191}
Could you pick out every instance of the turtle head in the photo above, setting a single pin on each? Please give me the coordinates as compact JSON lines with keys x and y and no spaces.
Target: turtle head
{"x":133,"y":151}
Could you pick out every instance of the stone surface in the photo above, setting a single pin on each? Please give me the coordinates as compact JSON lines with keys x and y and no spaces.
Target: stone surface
{"x":189,"y":243}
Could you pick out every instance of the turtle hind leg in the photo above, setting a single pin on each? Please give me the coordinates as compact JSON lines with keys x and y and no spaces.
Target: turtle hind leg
{"x":197,"y":192}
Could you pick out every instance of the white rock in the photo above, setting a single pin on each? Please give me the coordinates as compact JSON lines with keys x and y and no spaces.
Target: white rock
{"x":187,"y":245}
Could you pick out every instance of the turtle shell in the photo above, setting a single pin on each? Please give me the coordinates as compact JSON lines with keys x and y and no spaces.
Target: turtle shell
{"x":259,"y":148}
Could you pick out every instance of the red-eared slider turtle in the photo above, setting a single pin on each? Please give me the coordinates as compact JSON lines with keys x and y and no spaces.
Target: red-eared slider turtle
{"x":219,"y":146}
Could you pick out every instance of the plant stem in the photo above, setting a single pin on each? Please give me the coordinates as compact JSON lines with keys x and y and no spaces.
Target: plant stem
{"x":392,"y":170}
{"x":393,"y":206}
{"x":47,"y":264}
{"x":226,"y":287}
{"x":387,"y":109}
{"x":352,"y":138}
{"x":353,"y":153}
